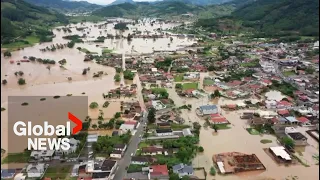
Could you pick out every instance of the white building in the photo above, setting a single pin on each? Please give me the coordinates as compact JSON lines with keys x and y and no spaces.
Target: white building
{"x":280,"y":152}
{"x":92,"y":138}
{"x":73,"y":147}
{"x":158,"y":105}
{"x":124,"y":128}
{"x":116,"y":154}
{"x":45,"y":155}
{"x":35,"y":170}
{"x":316,"y":45}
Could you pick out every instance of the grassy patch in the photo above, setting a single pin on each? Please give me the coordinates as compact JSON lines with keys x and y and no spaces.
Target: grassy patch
{"x":222,"y":126}
{"x":32,"y":39}
{"x":15,"y":45}
{"x":87,"y":51}
{"x":42,"y":99}
{"x":187,"y":86}
{"x":208,"y":82}
{"x":106,"y":51}
{"x":249,"y":64}
{"x":135,"y":168}
{"x":60,"y":172}
{"x":29,"y":41}
{"x":253,"y":131}
{"x":288,"y":73}
{"x":3,"y":109}
{"x":143,"y":144}
{"x":152,"y":126}
{"x":178,"y":78}
{"x":176,"y":127}
{"x":22,"y":157}
{"x":266,"y":141}
{"x":78,"y":19}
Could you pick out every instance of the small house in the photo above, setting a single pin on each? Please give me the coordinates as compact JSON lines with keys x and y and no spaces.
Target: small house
{"x":207,"y":110}
{"x":116,"y":154}
{"x":182,"y":170}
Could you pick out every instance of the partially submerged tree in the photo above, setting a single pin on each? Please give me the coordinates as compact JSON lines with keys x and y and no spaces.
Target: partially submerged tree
{"x":21,"y":81}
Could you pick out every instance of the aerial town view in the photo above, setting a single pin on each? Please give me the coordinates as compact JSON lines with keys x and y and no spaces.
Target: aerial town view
{"x":169,"y":89}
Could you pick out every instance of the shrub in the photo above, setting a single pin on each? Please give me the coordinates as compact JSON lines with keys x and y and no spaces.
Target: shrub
{"x":212,"y":171}
{"x":94,"y":105}
{"x":4,"y":82}
{"x":56,"y":97}
{"x":200,"y":149}
{"x":21,"y":81}
{"x":7,"y":54}
{"x":25,"y":104}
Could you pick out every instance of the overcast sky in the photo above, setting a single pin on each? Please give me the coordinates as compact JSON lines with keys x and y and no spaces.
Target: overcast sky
{"x":105,"y":2}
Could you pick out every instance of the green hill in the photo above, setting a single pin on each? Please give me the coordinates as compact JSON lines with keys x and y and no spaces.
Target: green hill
{"x":161,"y":9}
{"x":269,"y":18}
{"x":24,"y":23}
{"x":281,"y":15}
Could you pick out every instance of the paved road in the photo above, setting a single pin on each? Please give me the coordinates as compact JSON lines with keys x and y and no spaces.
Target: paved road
{"x":132,"y":147}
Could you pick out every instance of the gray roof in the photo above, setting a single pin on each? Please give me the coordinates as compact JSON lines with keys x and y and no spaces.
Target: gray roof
{"x":187,"y":132}
{"x":208,"y":107}
{"x":182,"y":168}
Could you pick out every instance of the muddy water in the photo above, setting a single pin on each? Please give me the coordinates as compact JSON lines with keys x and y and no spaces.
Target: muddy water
{"x":239,"y":140}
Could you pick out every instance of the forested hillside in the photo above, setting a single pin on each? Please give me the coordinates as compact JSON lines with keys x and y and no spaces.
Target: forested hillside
{"x":281,"y":15}
{"x":20,"y":19}
{"x":270,"y":17}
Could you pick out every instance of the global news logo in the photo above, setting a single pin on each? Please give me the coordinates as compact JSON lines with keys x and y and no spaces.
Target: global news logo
{"x":21,"y":128}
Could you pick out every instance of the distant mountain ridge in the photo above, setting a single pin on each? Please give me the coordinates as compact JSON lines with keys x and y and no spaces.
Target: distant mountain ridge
{"x":116,"y":2}
{"x":201,"y":2}
{"x":161,"y":9}
{"x":65,"y":5}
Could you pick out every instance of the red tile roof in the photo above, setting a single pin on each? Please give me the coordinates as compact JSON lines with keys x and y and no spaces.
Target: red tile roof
{"x":159,"y":170}
{"x":283,"y":112}
{"x":266,"y":81}
{"x":274,"y":119}
{"x":235,"y":83}
{"x":231,"y":106}
{"x":217,"y":118}
{"x":284,"y":103}
{"x":303,"y":119}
